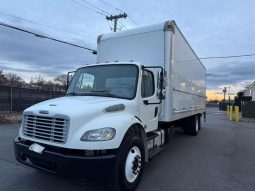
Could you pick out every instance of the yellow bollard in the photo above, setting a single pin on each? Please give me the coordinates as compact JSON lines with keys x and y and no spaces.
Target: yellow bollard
{"x":237,"y":113}
{"x":230,"y":113}
{"x":227,"y":110}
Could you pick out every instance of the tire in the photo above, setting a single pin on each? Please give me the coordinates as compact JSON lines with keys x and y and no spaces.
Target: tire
{"x":191,"y":125}
{"x":194,"y":126}
{"x":128,"y":169}
{"x":199,"y":121}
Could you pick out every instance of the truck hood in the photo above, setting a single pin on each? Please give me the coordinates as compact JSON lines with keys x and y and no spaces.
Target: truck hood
{"x":75,"y":106}
{"x":82,"y":113}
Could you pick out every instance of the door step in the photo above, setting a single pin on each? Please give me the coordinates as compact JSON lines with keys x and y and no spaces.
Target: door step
{"x":154,"y":151}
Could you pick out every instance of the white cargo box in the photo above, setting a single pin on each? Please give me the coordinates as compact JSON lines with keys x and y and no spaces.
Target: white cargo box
{"x":162,"y":45}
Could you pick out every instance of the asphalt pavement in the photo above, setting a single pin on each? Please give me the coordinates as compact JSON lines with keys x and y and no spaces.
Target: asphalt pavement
{"x":220,"y":158}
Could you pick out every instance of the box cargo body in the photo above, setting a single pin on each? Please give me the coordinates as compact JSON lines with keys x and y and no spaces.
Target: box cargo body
{"x":162,"y":45}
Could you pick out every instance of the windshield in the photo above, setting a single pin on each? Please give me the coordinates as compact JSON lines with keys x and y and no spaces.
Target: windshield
{"x":116,"y":80}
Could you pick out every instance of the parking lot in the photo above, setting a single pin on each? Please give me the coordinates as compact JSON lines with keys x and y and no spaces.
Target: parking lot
{"x":221,"y":157}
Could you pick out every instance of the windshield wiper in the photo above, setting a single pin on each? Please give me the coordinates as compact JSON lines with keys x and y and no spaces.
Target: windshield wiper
{"x":92,"y":91}
{"x":104,"y":92}
{"x":72,"y":94}
{"x":100,"y":91}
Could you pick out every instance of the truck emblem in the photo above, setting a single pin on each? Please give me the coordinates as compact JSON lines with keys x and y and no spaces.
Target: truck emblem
{"x":43,"y":112}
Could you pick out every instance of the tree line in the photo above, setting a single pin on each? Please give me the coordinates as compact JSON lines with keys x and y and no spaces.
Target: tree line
{"x":37,"y":82}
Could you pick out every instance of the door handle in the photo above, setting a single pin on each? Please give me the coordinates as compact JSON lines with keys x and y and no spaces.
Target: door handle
{"x":146,"y":102}
{"x":156,"y":112}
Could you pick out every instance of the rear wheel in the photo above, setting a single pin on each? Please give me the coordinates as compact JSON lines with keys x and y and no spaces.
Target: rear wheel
{"x":199,"y":121}
{"x":194,"y":128}
{"x":128,"y":170}
{"x":191,"y":125}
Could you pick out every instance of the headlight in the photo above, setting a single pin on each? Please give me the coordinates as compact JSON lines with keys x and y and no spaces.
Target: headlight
{"x":103,"y":134}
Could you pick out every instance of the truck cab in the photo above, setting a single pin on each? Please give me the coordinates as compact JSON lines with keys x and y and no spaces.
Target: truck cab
{"x":105,"y":105}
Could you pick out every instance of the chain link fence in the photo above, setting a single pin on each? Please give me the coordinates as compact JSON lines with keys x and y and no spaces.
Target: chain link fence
{"x":18,"y":99}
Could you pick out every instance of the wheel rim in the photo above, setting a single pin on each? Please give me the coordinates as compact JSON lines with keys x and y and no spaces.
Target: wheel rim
{"x":133,"y":164}
{"x":196,"y":124}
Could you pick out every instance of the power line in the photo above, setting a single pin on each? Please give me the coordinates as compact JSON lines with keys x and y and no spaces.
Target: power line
{"x":109,"y":24}
{"x":91,"y":9}
{"x":102,"y":12}
{"x":96,"y":7}
{"x":218,"y":57}
{"x":132,"y":20}
{"x":47,"y":37}
{"x":47,"y":26}
{"x":122,"y":25}
{"x":110,"y":5}
{"x":232,"y":56}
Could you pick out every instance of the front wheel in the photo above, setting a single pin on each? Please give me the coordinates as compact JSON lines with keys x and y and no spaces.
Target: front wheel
{"x":133,"y":164}
{"x":130,"y":163}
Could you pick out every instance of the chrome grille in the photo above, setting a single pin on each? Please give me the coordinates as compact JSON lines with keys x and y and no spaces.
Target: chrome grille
{"x":52,"y":129}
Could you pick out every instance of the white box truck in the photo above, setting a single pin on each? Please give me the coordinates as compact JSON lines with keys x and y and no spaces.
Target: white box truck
{"x":117,"y":113}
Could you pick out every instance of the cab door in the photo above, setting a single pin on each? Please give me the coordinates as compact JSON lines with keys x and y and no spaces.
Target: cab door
{"x":149,"y":106}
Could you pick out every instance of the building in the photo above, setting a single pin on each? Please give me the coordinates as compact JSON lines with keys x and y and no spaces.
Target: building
{"x":250,"y":91}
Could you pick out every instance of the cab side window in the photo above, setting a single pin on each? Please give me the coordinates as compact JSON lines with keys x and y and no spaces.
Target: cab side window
{"x":147,"y":84}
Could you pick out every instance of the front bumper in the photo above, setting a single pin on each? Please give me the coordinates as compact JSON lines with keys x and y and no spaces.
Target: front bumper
{"x":64,"y":162}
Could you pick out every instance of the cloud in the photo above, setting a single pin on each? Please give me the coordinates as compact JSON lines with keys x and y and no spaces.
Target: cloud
{"x":39,"y":55}
{"x":233,"y":73}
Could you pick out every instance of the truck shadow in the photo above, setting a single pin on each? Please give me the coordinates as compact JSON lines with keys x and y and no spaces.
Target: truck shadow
{"x":45,"y":181}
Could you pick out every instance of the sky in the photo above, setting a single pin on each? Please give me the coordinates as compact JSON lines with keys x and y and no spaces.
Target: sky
{"x":213,"y":28}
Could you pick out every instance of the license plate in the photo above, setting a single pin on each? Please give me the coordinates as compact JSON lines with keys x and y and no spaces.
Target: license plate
{"x":36,"y":148}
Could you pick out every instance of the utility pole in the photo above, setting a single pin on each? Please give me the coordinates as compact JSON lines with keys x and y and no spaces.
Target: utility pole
{"x":224,"y":91}
{"x":115,"y":19}
{"x":229,"y":93}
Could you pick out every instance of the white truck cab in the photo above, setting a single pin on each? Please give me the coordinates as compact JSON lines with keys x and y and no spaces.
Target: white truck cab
{"x":116,"y":113}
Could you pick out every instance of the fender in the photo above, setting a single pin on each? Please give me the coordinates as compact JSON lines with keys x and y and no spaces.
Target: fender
{"x":120,"y":121}
{"x":144,"y":138}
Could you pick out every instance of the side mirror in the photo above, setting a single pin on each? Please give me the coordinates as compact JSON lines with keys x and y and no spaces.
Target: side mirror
{"x":69,"y":78}
{"x":161,"y":95}
{"x":160,"y":85}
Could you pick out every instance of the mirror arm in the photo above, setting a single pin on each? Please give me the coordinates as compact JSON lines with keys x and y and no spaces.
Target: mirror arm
{"x":67,"y":79}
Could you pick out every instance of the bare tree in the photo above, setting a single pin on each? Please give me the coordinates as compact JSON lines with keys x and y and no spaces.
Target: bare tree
{"x":61,"y":81}
{"x":3,"y":79}
{"x":14,"y":80}
{"x":49,"y":86}
{"x":38,"y":82}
